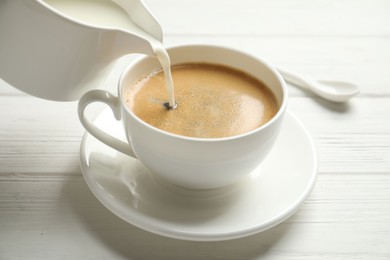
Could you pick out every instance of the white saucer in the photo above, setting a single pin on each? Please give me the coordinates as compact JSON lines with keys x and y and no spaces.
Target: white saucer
{"x":268,"y":196}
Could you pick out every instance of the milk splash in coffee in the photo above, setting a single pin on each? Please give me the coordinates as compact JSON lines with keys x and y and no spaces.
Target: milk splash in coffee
{"x":105,"y":13}
{"x":165,"y":62}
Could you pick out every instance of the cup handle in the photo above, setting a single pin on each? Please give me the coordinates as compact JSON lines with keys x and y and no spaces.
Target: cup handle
{"x":114,"y":103}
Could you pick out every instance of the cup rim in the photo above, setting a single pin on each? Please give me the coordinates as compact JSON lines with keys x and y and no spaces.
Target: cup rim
{"x":280,"y":112}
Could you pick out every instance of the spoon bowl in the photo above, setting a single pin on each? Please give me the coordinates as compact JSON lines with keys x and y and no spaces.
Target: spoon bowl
{"x":335,"y":91}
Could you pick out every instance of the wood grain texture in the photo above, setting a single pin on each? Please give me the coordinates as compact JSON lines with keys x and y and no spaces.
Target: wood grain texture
{"x":343,"y":218}
{"x":48,"y":212}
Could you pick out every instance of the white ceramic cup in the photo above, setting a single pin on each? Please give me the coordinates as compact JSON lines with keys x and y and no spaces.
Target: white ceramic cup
{"x":197,"y":163}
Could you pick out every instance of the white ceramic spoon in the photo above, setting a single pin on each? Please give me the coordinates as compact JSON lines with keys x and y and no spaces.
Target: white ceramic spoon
{"x":336,"y":91}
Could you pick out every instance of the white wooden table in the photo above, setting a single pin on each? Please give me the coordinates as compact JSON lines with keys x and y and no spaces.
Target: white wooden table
{"x":48,"y":212}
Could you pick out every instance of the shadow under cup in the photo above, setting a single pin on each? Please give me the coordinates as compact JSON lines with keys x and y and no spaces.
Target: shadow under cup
{"x":202,"y":163}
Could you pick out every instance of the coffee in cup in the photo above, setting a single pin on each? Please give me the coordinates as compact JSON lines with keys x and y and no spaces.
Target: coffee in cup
{"x":213,"y":101}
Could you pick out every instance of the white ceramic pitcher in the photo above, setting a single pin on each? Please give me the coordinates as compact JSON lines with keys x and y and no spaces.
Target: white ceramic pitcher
{"x":48,"y":54}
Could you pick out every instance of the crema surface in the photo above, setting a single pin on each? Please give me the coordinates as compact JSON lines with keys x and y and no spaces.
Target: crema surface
{"x":213,"y":101}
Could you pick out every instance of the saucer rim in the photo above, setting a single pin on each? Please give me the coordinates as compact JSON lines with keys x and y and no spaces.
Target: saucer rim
{"x":207,"y":236}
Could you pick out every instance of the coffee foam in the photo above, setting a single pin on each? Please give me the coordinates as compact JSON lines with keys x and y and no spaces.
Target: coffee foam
{"x":213,"y":101}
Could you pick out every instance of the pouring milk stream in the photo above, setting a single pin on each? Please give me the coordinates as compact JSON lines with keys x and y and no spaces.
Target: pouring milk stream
{"x":59,"y":49}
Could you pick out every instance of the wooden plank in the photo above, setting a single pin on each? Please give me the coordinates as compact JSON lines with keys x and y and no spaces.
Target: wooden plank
{"x":338,"y":221}
{"x":250,"y":17}
{"x":353,"y":137}
{"x":38,"y":135}
{"x":44,"y":136}
{"x":362,"y":60}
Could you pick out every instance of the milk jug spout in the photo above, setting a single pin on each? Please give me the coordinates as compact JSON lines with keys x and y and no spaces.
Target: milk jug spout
{"x":54,"y":54}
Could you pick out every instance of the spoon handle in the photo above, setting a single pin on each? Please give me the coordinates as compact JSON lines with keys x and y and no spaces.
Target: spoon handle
{"x":294,"y":78}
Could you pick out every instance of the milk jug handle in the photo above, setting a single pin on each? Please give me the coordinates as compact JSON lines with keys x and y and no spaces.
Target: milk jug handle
{"x":114,"y":104}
